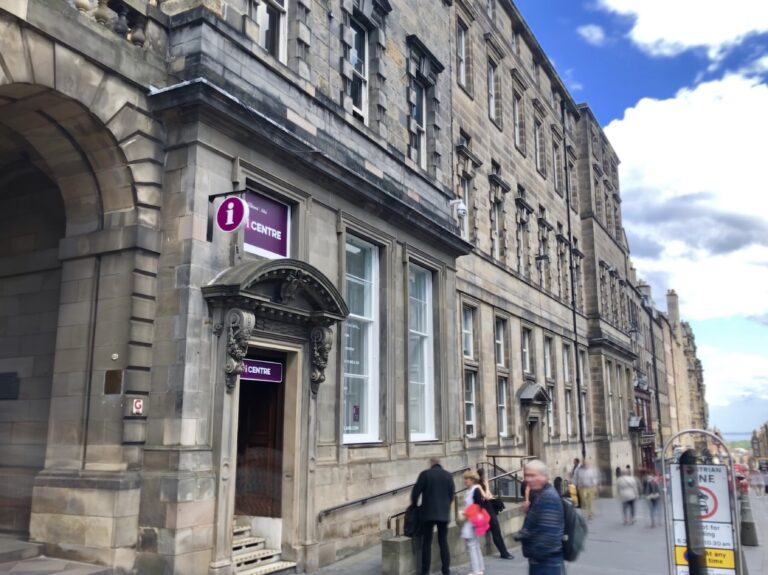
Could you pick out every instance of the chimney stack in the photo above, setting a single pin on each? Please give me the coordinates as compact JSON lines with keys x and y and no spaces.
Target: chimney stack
{"x":673,"y":310}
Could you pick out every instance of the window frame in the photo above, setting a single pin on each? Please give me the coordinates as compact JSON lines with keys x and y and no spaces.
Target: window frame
{"x":362,"y":113}
{"x":470,"y":375}
{"x":500,"y":343}
{"x":549,"y":364}
{"x":518,"y":120}
{"x":468,"y":331}
{"x":568,"y":412}
{"x":528,"y":362}
{"x":538,"y":145}
{"x":494,"y":92}
{"x":421,"y":128}
{"x":466,"y":192}
{"x":502,"y":393}
{"x":496,"y":228}
{"x":281,"y":8}
{"x":462,"y":54}
{"x":428,"y":343}
{"x":372,"y":435}
{"x":552,"y":410}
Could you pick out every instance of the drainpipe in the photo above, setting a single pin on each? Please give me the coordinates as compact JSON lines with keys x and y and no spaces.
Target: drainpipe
{"x":655,"y":371}
{"x":573,"y":282}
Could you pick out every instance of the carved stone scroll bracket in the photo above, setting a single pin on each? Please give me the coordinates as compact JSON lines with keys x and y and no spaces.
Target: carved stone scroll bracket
{"x":240,"y":324}
{"x":321,"y":340}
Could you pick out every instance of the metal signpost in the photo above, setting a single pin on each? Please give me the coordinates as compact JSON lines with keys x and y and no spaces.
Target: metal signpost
{"x":701,"y":510}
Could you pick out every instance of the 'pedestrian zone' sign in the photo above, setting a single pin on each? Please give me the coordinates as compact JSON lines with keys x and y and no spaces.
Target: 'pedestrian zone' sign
{"x":714,"y":505}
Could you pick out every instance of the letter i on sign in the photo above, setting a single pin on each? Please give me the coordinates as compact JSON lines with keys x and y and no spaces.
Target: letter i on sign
{"x":230,"y":212}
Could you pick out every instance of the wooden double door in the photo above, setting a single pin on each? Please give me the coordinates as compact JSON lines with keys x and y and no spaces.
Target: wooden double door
{"x":258,"y":490}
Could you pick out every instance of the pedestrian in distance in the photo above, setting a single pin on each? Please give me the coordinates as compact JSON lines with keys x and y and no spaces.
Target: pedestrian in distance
{"x":587,"y":486}
{"x":652,"y":493}
{"x":477,"y":521}
{"x":574,"y":476}
{"x":544,"y":526}
{"x":436,"y":489}
{"x":491,"y":505}
{"x":757,"y":481}
{"x":629,"y":491}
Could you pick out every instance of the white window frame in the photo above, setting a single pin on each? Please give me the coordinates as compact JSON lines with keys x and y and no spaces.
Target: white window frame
{"x":609,"y":376}
{"x":500,"y":341}
{"x":620,"y":385}
{"x":583,"y":400}
{"x":556,"y":176}
{"x":527,"y":340}
{"x":568,"y":412}
{"x":462,"y":53}
{"x":421,"y":130}
{"x":567,"y":364}
{"x":470,"y":401}
{"x":283,"y":26}
{"x":496,"y":216}
{"x":363,"y":112}
{"x":552,"y":391}
{"x":371,"y":435}
{"x":468,"y":331}
{"x":502,"y":389}
{"x":466,"y":190}
{"x":490,"y":8}
{"x":549,"y":368}
{"x":427,"y":341}
{"x":492,"y":93}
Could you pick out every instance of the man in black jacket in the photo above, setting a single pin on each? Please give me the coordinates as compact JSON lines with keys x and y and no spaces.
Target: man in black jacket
{"x":436,"y":488}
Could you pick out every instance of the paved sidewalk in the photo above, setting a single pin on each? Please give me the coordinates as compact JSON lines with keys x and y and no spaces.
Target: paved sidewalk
{"x":46,"y":566}
{"x":757,"y":557}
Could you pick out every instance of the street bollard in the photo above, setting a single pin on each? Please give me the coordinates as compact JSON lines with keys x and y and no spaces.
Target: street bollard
{"x":748,"y":527}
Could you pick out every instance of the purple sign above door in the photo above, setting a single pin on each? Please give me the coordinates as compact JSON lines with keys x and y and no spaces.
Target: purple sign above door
{"x":267,"y":232}
{"x":258,"y":370}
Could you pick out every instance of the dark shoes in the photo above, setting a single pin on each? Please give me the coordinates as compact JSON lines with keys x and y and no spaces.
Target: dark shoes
{"x":508,"y":556}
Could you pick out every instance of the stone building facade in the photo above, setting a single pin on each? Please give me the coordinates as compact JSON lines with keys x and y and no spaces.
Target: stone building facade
{"x":433,"y":264}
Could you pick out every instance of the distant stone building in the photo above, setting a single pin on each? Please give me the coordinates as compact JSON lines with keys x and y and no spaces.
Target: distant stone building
{"x":432,"y":263}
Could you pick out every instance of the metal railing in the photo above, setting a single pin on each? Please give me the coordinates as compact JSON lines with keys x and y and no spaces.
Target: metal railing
{"x":363,"y":500}
{"x":511,"y":476}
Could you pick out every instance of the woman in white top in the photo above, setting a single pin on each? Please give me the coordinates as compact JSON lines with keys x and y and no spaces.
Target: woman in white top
{"x":472,"y":495}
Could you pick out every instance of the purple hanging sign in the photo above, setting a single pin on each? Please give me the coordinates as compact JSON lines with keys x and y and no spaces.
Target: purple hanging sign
{"x":267,"y":231}
{"x":258,"y":370}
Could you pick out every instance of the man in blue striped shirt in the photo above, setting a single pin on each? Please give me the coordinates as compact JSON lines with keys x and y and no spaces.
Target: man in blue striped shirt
{"x":542,"y":533}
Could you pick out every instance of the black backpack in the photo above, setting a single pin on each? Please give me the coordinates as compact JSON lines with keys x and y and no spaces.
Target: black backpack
{"x":411,"y":522}
{"x":575,"y":532}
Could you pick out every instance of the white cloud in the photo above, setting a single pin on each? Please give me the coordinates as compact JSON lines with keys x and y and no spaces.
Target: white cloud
{"x":693,"y":183}
{"x":732,"y":376}
{"x":670,"y":27}
{"x":592,"y":34}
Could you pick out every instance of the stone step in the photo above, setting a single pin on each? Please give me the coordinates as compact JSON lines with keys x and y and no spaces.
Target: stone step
{"x":240,"y":529}
{"x":15,"y":550}
{"x":257,"y":556}
{"x":279,"y":567}
{"x":251,"y":543}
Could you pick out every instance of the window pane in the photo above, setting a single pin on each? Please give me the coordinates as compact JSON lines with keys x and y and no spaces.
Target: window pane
{"x":356,"y":336}
{"x":419,"y":353}
{"x":417,"y":408}
{"x":418,"y":107}
{"x":468,"y":328}
{"x":268,"y":18}
{"x":358,"y":53}
{"x":355,"y":408}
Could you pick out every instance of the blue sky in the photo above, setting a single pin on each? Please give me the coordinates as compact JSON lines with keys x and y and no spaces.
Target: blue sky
{"x":684,"y":100}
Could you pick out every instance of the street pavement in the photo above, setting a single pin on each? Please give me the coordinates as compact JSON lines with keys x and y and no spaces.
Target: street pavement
{"x":611,"y":548}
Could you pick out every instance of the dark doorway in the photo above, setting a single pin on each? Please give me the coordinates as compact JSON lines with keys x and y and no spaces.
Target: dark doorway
{"x":533,"y":437}
{"x":260,"y":445}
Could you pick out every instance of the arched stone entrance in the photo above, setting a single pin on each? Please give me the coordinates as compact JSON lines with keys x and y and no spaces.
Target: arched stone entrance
{"x":87,"y":162}
{"x":282,"y":310}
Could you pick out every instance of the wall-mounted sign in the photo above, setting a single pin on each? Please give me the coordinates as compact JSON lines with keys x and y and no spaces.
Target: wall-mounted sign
{"x":138,"y":407}
{"x":232,"y":214}
{"x":259,"y":370}
{"x":267,"y":232}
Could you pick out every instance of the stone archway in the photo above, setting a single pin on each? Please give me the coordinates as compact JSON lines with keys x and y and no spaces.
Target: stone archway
{"x":92,"y":136}
{"x":281,"y":304}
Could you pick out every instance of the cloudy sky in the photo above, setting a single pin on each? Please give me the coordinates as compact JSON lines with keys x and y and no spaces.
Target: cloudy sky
{"x":681,"y":89}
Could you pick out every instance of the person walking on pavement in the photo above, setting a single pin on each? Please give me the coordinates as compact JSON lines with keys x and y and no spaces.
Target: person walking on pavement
{"x":652,"y":493}
{"x":758,"y":483}
{"x":489,"y":504}
{"x":473,"y":495}
{"x":587,"y":486}
{"x":436,"y":489}
{"x":629,"y":491}
{"x":544,"y":526}
{"x":574,"y":477}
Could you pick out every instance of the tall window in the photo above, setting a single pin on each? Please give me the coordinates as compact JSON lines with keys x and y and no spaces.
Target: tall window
{"x":496,"y":228}
{"x":551,"y":416}
{"x":557,"y":166}
{"x":500,"y":337}
{"x":270,"y":16}
{"x":620,"y":386}
{"x":527,"y":352}
{"x":583,"y":399}
{"x":608,"y":376}
{"x":494,"y":97}
{"x":567,"y":364}
{"x":568,"y":412}
{"x":501,"y":401}
{"x":549,"y":365}
{"x":517,"y":115}
{"x":470,"y":405}
{"x":468,"y":331}
{"x":359,"y":59}
{"x":462,"y":54}
{"x":490,"y":8}
{"x":538,"y":143}
{"x":466,"y":188}
{"x":418,"y":113}
{"x":361,"y":389}
{"x":421,"y":390}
